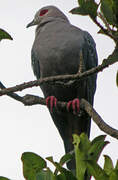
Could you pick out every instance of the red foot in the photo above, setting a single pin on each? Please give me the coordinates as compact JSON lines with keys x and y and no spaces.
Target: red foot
{"x":51,"y":102}
{"x":75,"y":105}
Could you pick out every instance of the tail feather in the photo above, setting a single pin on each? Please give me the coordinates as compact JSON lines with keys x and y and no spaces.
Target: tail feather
{"x":69,"y":124}
{"x":77,"y":126}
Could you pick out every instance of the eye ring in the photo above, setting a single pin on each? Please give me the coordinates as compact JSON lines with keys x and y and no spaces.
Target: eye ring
{"x":43,"y":12}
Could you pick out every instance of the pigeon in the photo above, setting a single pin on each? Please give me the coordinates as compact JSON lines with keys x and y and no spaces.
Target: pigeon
{"x":56,"y":51}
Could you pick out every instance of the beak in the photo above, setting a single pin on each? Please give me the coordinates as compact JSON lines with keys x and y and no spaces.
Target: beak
{"x":31,"y":24}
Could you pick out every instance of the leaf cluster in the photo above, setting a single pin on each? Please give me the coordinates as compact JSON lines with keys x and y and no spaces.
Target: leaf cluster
{"x":107,"y":12}
{"x":86,"y":154}
{"x":5,"y":35}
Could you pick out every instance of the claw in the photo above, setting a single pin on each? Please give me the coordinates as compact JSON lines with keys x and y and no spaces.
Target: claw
{"x":68,"y":105}
{"x":51,"y":102}
{"x":75,"y":105}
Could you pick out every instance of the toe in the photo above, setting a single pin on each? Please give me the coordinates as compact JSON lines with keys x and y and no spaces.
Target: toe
{"x":75,"y":104}
{"x":51,"y":102}
{"x":69,"y":105}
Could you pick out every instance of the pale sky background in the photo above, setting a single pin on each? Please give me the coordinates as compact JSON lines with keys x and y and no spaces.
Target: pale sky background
{"x":31,"y":128}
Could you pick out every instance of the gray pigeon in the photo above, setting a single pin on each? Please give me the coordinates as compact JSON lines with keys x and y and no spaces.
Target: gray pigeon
{"x":56,"y":51}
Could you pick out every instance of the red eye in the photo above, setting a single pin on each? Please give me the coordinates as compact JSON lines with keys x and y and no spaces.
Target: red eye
{"x":43,"y":12}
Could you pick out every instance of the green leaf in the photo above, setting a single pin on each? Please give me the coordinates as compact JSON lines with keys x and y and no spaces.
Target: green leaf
{"x":117,"y":78}
{"x":116,"y":167}
{"x":115,"y":11}
{"x":96,"y":171}
{"x":107,"y":10}
{"x":52,"y":161}
{"x":80,"y":154}
{"x":4,"y":35}
{"x":84,"y":142}
{"x":86,"y":8}
{"x":67,"y":157}
{"x":32,"y":164}
{"x":55,"y":164}
{"x":80,"y":2}
{"x":108,"y":165}
{"x":65,"y":174}
{"x":61,"y":177}
{"x":76,"y":140}
{"x":79,"y":10}
{"x":98,"y":138}
{"x":102,"y":32}
{"x":112,"y":58}
{"x":114,"y":175}
{"x":3,"y":178}
{"x":45,"y":175}
{"x":97,"y":145}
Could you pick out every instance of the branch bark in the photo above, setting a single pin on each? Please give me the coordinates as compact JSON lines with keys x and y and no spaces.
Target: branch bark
{"x":107,"y":31}
{"x":29,"y":100}
{"x":57,"y":79}
{"x":84,"y":105}
{"x":33,"y":100}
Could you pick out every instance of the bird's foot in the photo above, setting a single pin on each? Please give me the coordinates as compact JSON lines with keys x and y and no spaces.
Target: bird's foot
{"x":75,"y":104}
{"x":51,"y":102}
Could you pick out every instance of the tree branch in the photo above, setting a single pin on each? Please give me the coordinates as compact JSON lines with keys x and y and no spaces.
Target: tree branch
{"x":54,"y":79}
{"x":98,"y":120}
{"x":10,"y":94}
{"x":106,"y":31}
{"x":29,"y":100}
{"x":101,"y":16}
{"x":32,"y":100}
{"x":84,"y":105}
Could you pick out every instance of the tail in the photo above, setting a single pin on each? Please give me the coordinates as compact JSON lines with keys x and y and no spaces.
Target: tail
{"x":76,"y":125}
{"x":69,"y":124}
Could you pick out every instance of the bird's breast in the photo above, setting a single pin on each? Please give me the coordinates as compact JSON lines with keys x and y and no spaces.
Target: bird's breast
{"x":58,"y":49}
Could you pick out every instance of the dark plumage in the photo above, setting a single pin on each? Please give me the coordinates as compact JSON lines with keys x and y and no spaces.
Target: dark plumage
{"x":56,"y":51}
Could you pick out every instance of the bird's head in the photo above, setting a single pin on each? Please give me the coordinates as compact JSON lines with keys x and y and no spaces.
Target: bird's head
{"x":46,"y":12}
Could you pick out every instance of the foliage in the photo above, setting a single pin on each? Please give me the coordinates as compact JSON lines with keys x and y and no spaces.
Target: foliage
{"x":86,"y":152}
{"x":107,"y":9}
{"x":3,"y":178}
{"x":117,"y":78}
{"x":86,"y":155}
{"x":86,"y":8}
{"x":107,"y":12}
{"x":4,"y":35}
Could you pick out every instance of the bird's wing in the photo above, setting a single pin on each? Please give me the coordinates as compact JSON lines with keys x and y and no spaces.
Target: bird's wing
{"x":91,"y":48}
{"x":91,"y":62}
{"x":35,"y":64}
{"x":86,"y":88}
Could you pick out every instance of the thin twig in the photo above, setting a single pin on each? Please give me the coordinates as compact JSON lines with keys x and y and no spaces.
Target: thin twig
{"x":11,"y":94}
{"x":103,"y":29}
{"x":100,"y":15}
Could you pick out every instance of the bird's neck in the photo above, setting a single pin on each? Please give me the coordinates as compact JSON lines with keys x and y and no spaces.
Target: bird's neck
{"x":48,"y":20}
